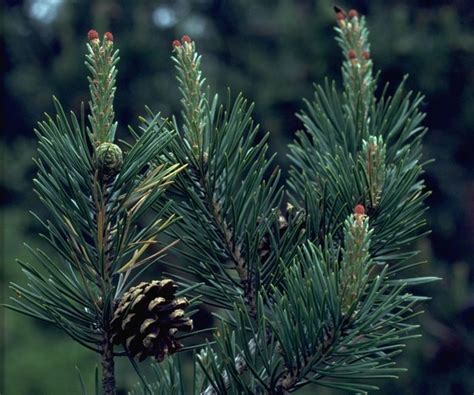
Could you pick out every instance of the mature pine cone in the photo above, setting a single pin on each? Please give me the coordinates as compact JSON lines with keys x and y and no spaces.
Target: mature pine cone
{"x":147,"y":318}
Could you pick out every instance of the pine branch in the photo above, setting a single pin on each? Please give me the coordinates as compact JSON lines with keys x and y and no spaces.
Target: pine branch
{"x":357,"y":344}
{"x":332,"y":159}
{"x":311,"y":296}
{"x":347,"y":160}
{"x":96,"y":196}
{"x":226,"y":204}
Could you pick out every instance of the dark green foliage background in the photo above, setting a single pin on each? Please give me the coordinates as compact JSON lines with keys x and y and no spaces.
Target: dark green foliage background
{"x":272,"y":51}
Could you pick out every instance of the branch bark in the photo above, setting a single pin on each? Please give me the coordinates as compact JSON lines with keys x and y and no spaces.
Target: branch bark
{"x":104,"y":230}
{"x":108,"y":368}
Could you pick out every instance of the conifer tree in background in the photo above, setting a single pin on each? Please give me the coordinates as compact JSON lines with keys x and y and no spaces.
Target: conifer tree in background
{"x":306,"y":275}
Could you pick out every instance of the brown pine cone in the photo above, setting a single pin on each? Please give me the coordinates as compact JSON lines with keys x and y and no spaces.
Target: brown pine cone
{"x":146,"y":319}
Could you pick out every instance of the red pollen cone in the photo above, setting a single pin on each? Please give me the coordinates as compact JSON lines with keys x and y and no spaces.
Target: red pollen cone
{"x":353,"y":14}
{"x":92,"y":35}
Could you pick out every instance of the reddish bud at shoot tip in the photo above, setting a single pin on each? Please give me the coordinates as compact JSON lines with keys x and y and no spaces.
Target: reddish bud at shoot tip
{"x":186,"y":39}
{"x":353,"y":14}
{"x":92,"y":35}
{"x":352,"y":54}
{"x":366,"y":55}
{"x":109,"y":36}
{"x":176,"y":43}
{"x":340,"y":14}
{"x":359,"y":209}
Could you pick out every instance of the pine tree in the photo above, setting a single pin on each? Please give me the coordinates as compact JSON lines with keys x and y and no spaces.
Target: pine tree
{"x":305,"y":274}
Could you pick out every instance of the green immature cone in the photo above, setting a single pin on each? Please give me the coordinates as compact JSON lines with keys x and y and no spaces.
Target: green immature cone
{"x":373,"y":160}
{"x":355,"y":259}
{"x":189,"y":75}
{"x":101,"y":60}
{"x":109,"y":158}
{"x":147,"y":318}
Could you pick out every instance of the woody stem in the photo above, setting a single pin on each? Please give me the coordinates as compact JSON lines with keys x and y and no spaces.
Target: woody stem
{"x":108,"y":373}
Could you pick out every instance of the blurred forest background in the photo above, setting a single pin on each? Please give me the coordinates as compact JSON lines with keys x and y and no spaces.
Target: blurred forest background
{"x":272,"y":51}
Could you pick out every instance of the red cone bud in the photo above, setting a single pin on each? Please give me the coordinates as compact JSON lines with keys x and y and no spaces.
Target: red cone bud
{"x":92,"y":35}
{"x":340,"y":16}
{"x":352,"y":54}
{"x":366,"y":55}
{"x":186,"y":39}
{"x":359,"y":209}
{"x":353,"y":14}
{"x":176,"y":43}
{"x":109,"y":36}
